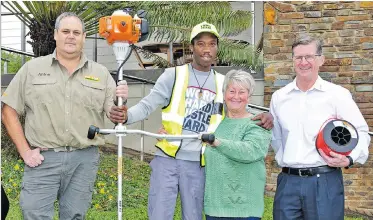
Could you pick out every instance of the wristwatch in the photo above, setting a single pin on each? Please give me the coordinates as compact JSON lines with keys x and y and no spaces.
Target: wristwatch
{"x":351,"y":162}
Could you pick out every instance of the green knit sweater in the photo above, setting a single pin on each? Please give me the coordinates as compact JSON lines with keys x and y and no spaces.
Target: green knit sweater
{"x":235,"y":170}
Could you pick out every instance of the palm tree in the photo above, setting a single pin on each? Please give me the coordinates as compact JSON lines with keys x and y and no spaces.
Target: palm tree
{"x":168,"y":21}
{"x":40,"y":17}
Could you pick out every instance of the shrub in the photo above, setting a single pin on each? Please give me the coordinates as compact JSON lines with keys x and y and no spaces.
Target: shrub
{"x":135,"y":182}
{"x":7,"y":145}
{"x":15,"y":61}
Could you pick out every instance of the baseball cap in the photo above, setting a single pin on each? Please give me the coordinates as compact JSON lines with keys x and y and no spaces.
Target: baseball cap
{"x":203,"y":27}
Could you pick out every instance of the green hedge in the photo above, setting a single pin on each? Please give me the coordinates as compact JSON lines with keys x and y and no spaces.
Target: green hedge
{"x":15,"y":61}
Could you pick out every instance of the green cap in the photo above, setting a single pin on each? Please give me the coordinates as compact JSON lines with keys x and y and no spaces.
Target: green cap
{"x":203,"y":27}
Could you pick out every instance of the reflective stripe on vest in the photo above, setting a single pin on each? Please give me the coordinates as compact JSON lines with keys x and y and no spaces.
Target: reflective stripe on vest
{"x":174,"y":114}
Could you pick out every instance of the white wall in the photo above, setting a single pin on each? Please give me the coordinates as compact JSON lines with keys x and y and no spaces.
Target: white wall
{"x":105,"y":54}
{"x":11,"y":32}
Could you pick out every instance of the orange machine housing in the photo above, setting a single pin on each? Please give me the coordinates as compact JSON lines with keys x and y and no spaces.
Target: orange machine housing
{"x":120,"y":27}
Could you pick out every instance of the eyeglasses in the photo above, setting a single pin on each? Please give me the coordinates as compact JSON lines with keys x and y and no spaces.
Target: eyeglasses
{"x":309,"y":58}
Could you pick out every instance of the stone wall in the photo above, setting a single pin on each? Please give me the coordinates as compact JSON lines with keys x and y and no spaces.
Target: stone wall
{"x":347,"y":31}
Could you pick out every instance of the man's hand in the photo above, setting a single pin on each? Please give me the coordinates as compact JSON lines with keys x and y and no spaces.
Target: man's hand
{"x":118,"y":114}
{"x":335,"y":160}
{"x":122,"y":89}
{"x":161,"y":130}
{"x":32,"y":158}
{"x":266,"y":120}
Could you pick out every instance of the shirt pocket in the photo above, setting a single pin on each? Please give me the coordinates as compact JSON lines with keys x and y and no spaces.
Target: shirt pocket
{"x":93,"y":94}
{"x":43,"y":89}
{"x":315,"y":121}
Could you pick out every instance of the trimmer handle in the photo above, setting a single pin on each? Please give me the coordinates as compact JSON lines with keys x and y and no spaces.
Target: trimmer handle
{"x":92,"y":131}
{"x":209,"y":138}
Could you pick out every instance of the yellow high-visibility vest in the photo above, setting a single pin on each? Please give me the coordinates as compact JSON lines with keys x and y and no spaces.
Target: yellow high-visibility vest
{"x":173,"y":115}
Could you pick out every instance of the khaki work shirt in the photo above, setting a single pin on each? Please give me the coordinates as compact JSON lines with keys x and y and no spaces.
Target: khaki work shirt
{"x":60,"y":108}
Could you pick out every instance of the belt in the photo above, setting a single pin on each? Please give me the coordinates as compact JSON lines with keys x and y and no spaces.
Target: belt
{"x":57,"y":149}
{"x":311,"y":171}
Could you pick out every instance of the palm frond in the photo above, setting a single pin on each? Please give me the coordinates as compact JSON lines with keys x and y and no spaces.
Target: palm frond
{"x":259,"y":46}
{"x":30,"y":7}
{"x":188,"y":13}
{"x":173,"y":21}
{"x":43,"y":15}
{"x":234,"y":23}
{"x":78,"y":6}
{"x":239,"y":54}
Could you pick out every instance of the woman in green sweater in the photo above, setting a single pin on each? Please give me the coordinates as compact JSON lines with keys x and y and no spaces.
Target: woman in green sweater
{"x":235,"y":168}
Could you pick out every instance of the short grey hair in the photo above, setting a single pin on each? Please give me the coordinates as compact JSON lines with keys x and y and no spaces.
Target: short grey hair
{"x":67,"y":14}
{"x":305,"y":39}
{"x":240,"y":77}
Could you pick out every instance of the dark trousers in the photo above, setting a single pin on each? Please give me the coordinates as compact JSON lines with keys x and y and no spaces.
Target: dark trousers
{"x":231,"y":218}
{"x":318,"y":197}
{"x":4,"y":204}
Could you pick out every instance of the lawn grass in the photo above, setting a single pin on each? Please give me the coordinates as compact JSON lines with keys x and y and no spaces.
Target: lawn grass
{"x":136,"y":176}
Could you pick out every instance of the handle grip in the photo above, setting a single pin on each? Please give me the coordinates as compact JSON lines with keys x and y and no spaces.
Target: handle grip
{"x":209,"y":138}
{"x":92,"y":131}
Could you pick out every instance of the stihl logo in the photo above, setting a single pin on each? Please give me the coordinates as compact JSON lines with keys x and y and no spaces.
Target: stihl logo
{"x":205,"y":26}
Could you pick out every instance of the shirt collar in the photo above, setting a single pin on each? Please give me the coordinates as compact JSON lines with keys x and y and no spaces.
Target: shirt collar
{"x":54,"y":56}
{"x":319,"y":85}
{"x":83,"y":58}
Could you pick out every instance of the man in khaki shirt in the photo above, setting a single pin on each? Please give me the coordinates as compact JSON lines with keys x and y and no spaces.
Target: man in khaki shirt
{"x":61,"y":94}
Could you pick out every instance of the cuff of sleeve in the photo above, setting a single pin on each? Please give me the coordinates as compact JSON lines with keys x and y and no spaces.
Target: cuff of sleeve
{"x":129,"y":117}
{"x":222,"y":143}
{"x":19,"y":111}
{"x":357,"y":157}
{"x":353,"y":155}
{"x":275,"y":145}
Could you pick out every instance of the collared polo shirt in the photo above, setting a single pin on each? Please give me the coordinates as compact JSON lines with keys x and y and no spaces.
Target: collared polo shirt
{"x":58,"y":107}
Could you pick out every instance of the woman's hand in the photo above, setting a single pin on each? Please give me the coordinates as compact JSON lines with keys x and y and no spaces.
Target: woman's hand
{"x":205,"y":135}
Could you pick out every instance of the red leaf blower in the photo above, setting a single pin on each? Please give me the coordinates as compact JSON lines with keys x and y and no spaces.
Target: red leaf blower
{"x":337,"y":135}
